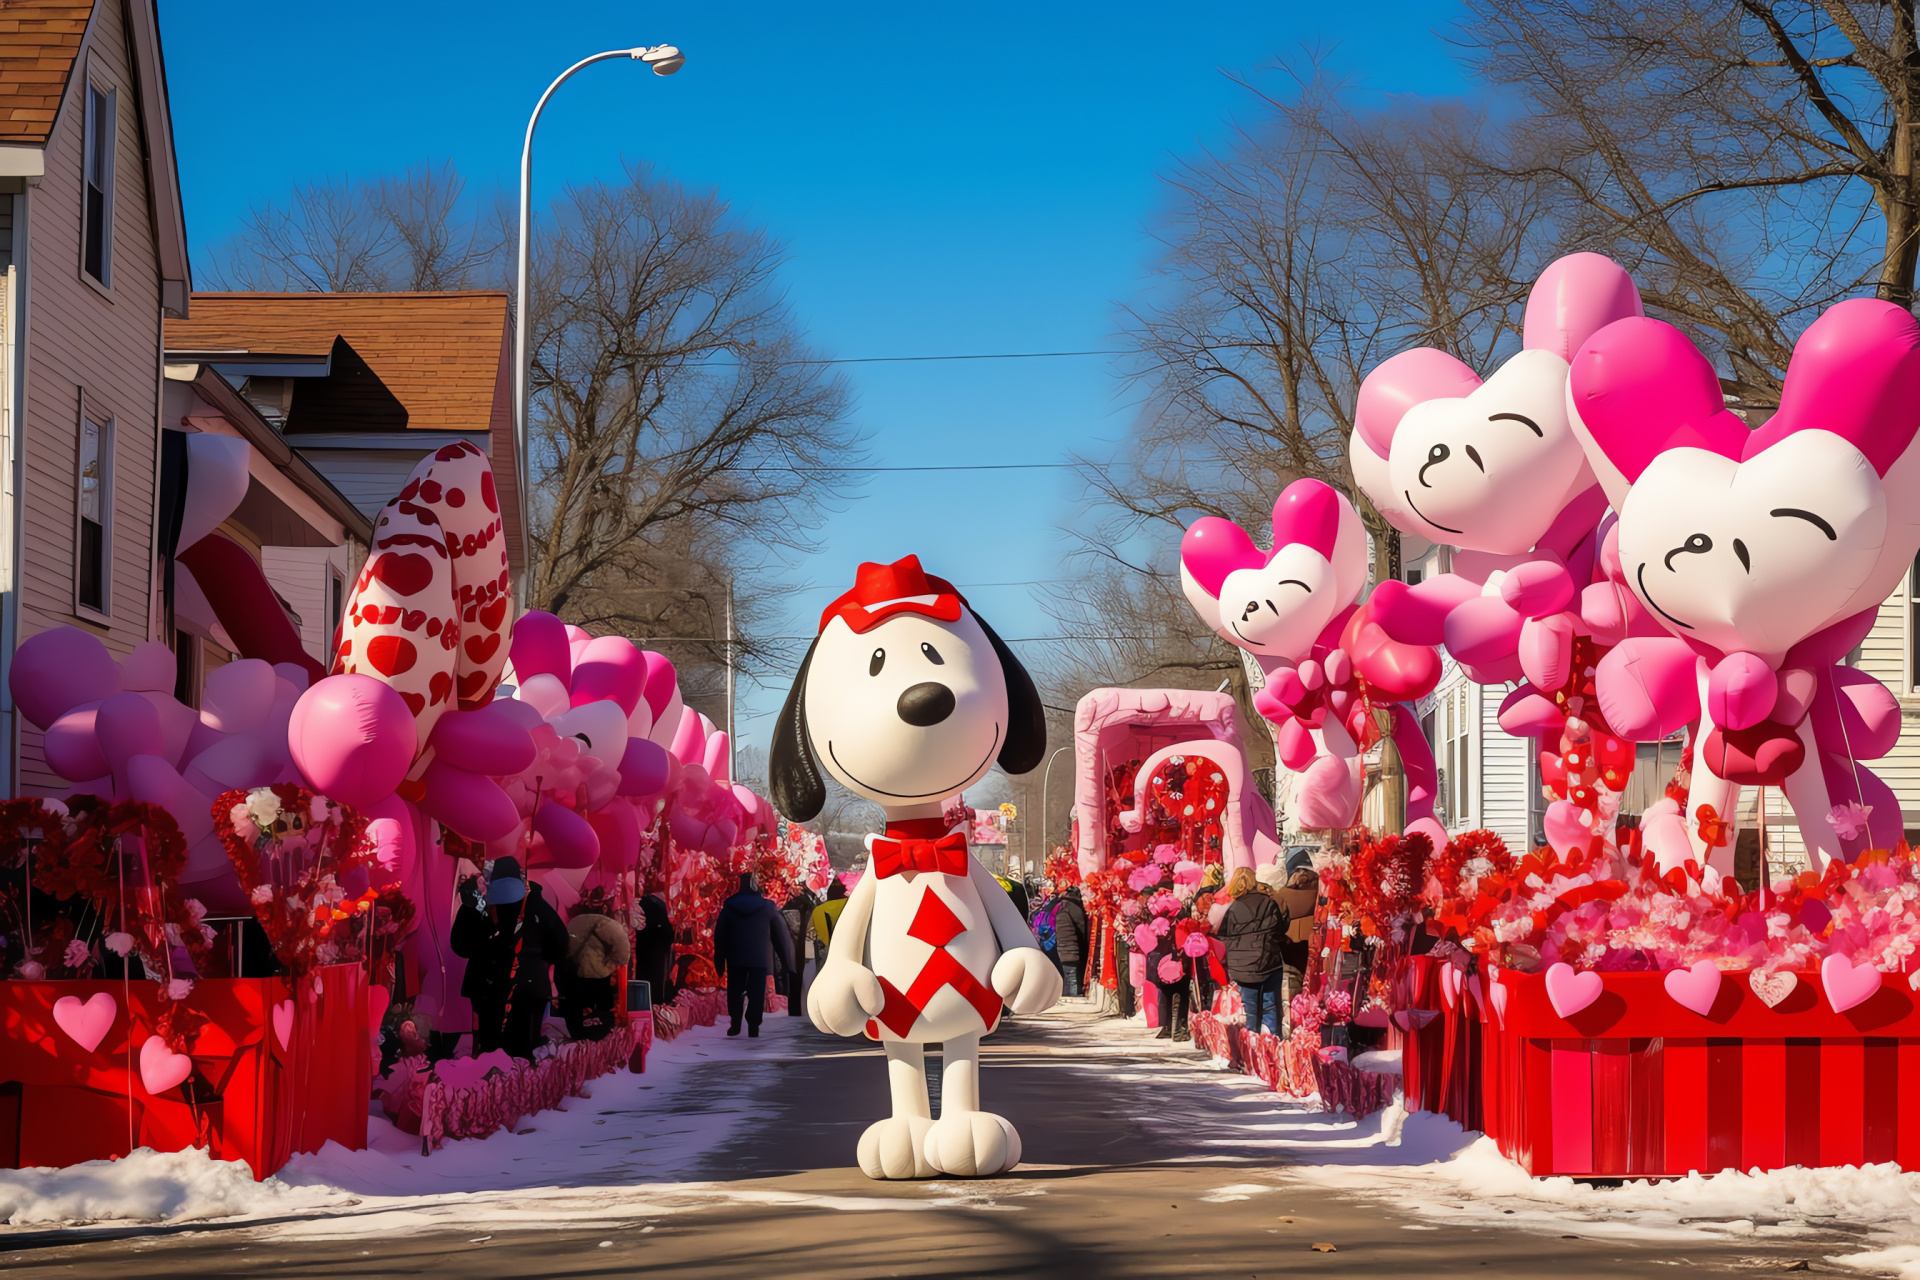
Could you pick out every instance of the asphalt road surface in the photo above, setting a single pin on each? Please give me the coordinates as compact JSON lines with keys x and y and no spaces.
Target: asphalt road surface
{"x":1142,"y":1163}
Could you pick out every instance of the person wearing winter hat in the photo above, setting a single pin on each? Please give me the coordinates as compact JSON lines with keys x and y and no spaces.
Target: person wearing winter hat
{"x":511,"y":938}
{"x":597,"y":945}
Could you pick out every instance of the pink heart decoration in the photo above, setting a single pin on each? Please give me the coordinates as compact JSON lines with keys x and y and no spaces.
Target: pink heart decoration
{"x":283,"y":1023}
{"x":1695,"y":988}
{"x":1847,"y":984}
{"x":86,"y":1023}
{"x":1568,"y":827}
{"x":1449,"y":987}
{"x":378,"y":998}
{"x":160,"y":1067}
{"x":1772,"y":986}
{"x":1570,"y":992}
{"x":1474,"y":990}
{"x":1498,"y":999}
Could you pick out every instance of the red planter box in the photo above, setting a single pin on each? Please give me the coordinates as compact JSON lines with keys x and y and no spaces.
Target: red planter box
{"x":249,"y":1098}
{"x":1636,"y":1085}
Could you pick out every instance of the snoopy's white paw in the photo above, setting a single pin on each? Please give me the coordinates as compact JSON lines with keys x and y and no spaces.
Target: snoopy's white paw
{"x":972,"y":1144}
{"x":896,"y":1148}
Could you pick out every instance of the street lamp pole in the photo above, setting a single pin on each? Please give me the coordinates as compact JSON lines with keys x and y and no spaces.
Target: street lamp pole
{"x":665,"y":60}
{"x":1046,"y":789}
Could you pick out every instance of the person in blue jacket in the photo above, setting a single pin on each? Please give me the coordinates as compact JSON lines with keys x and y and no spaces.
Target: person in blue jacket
{"x":747,"y":938}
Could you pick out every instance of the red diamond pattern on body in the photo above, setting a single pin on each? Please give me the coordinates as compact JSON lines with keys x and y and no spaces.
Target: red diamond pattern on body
{"x":934,"y":923}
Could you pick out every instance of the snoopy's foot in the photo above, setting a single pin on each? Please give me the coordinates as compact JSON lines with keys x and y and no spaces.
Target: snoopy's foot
{"x":972,"y":1144}
{"x":896,"y":1148}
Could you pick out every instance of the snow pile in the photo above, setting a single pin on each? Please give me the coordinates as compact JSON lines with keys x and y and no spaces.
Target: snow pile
{"x":148,"y":1186}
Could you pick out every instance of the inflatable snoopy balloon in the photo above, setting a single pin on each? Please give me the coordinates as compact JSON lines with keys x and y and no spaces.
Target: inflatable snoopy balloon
{"x":907,"y":698}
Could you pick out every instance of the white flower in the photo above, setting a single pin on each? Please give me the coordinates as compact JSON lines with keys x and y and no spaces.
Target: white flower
{"x":243,"y":822}
{"x":55,"y":806}
{"x":78,"y":953}
{"x":31,"y":970}
{"x":264,"y":806}
{"x":121,"y":944}
{"x":196,"y":909}
{"x":262,"y":894}
{"x":173,"y":933}
{"x":318,"y":809}
{"x":179,"y":988}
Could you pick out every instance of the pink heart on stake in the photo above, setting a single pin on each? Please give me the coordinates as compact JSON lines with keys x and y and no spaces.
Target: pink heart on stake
{"x":87,"y":1023}
{"x":1449,"y":987}
{"x":1695,"y":988}
{"x":283,"y":1023}
{"x":1570,"y":992}
{"x":1847,"y":984}
{"x":1498,"y":999}
{"x":1772,"y":986}
{"x":160,"y":1067}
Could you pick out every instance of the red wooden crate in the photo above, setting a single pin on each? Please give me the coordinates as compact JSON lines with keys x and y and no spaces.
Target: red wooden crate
{"x":250,"y":1097}
{"x":1637,"y":1085}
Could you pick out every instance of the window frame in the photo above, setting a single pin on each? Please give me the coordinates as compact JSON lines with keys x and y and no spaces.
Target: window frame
{"x":100,"y":123}
{"x":1910,"y":588}
{"x":103,"y":422}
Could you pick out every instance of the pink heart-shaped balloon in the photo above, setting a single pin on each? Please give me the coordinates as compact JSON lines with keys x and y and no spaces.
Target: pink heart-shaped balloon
{"x":160,"y":1067}
{"x":1772,"y":986}
{"x":1848,"y":984}
{"x":1568,"y":991}
{"x":283,"y":1023}
{"x":1695,"y":988}
{"x":87,"y":1023}
{"x":1498,"y":999}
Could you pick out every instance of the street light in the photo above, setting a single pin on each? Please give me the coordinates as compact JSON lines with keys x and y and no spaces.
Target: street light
{"x":665,"y":60}
{"x":1046,"y":786}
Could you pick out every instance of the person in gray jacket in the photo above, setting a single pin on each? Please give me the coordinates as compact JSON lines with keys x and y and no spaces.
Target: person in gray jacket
{"x":748,"y":938}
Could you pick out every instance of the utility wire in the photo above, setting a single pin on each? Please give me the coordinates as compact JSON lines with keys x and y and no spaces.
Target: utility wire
{"x":989,"y":355}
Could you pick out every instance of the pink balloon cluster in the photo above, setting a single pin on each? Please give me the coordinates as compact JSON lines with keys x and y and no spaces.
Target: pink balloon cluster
{"x":114,"y":728}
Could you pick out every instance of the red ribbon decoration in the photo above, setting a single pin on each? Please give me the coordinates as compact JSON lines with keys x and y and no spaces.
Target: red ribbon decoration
{"x":947,"y":855}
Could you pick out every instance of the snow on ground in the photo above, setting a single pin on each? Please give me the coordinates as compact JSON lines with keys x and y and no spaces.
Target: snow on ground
{"x":1428,"y":1166}
{"x":617,"y":1155}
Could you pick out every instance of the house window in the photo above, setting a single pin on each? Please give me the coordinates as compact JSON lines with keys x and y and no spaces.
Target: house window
{"x":97,"y":245}
{"x":92,"y":548}
{"x":1913,"y":624}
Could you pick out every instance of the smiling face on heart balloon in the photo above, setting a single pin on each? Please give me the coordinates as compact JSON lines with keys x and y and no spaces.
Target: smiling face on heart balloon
{"x":1752,"y":540}
{"x":1488,"y":466}
{"x":1275,"y":604}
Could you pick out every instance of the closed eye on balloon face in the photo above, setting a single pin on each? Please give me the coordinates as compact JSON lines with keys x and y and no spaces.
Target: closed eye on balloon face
{"x":1520,"y":418}
{"x":1812,"y":519}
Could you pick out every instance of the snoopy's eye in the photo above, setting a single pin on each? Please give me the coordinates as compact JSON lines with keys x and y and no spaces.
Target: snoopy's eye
{"x":933,"y":654}
{"x":878,"y":661}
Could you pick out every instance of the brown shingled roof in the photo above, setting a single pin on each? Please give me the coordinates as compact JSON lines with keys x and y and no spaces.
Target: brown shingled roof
{"x":439,"y":353}
{"x":39,"y":40}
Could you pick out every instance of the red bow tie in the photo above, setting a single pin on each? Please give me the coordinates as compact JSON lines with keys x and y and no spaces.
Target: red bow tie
{"x":947,"y":855}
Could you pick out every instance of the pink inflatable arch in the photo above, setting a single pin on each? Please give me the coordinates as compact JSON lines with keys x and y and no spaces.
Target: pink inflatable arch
{"x":1112,"y":726}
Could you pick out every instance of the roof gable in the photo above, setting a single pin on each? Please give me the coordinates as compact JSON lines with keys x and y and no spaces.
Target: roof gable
{"x":39,"y":43}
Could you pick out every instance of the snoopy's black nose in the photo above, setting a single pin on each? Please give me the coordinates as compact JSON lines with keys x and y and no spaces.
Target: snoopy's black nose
{"x":926,"y":704}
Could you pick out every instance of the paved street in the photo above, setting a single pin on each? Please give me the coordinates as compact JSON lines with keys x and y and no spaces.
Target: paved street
{"x":1145,"y":1163}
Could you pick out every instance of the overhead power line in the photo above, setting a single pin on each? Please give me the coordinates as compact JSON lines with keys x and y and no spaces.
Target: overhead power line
{"x":985,"y":355}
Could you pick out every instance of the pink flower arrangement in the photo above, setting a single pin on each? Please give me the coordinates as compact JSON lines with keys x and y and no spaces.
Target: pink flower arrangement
{"x":1170,"y":970}
{"x":1188,"y":873}
{"x":1144,"y":878}
{"x":1195,"y":945}
{"x":1144,"y":938}
{"x":1166,"y":855}
{"x":1165,"y":904}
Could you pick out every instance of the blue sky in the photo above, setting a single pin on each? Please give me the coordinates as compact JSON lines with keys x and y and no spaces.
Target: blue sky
{"x":946,"y":179}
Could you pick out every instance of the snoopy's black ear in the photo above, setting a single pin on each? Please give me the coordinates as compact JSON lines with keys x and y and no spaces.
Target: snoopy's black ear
{"x":1026,"y":743}
{"x":792,"y":776}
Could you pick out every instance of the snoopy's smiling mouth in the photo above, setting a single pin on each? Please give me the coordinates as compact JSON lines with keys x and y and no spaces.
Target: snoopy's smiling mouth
{"x":1435,"y":523}
{"x":927,"y":795}
{"x":1252,"y":644}
{"x":1640,"y":575}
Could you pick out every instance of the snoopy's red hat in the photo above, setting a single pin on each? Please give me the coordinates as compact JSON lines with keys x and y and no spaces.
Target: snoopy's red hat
{"x":882,"y":590}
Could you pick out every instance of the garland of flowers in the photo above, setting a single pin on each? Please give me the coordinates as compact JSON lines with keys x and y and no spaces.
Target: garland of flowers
{"x":291,"y":850}
{"x":123,"y":860}
{"x":1062,"y":867}
{"x":1454,"y":899}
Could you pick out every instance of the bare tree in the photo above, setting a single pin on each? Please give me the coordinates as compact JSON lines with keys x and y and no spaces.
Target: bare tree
{"x":1750,"y":161}
{"x":340,"y":236}
{"x":681,"y":432}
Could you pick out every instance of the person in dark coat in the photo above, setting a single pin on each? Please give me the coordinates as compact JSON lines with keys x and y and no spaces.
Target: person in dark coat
{"x":1070,"y":939}
{"x":653,"y":947}
{"x":1254,"y":930}
{"x":511,"y":938}
{"x":748,"y":938}
{"x":798,"y":913}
